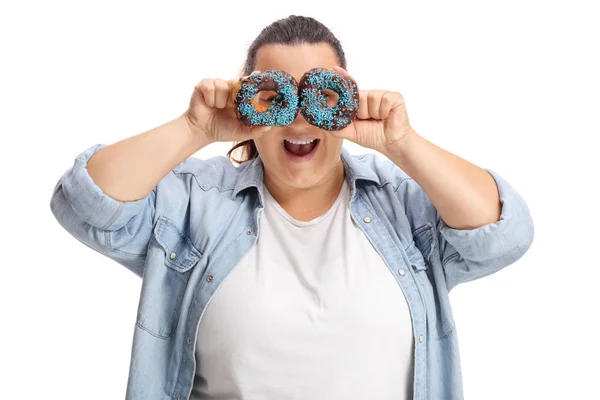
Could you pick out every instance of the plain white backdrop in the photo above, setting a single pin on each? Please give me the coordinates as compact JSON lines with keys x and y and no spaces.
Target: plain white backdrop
{"x":512,"y":86}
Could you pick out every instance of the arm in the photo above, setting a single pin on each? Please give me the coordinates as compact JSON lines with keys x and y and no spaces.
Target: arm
{"x":106,"y":199}
{"x":128,"y":170}
{"x":465,"y":195}
{"x":481,"y":221}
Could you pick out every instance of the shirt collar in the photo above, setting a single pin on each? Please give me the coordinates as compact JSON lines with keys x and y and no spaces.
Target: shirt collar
{"x":252,"y":172}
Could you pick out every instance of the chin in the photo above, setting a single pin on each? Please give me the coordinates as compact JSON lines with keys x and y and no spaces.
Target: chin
{"x":303,"y":179}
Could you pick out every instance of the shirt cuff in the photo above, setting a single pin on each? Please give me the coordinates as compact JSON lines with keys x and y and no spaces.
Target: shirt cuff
{"x":507,"y":239}
{"x":90,"y":202}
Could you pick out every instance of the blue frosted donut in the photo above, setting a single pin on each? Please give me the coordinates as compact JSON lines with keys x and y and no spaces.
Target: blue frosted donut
{"x":282,"y":110}
{"x":313,"y":104}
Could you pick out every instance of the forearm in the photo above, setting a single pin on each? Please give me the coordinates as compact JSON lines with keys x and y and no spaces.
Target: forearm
{"x":465,"y":195}
{"x":131,"y":168}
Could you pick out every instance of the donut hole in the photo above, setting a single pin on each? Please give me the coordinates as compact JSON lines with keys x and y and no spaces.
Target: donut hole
{"x":330,"y":96}
{"x":265,"y":97}
{"x":328,"y":100}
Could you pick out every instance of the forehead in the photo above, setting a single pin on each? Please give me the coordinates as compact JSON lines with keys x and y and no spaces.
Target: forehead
{"x":295,"y":59}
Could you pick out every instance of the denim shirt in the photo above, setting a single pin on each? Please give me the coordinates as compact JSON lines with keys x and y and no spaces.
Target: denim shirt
{"x":186,"y":235}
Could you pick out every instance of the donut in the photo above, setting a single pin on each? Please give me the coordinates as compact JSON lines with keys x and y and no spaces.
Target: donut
{"x":313,"y":104}
{"x":282,"y":110}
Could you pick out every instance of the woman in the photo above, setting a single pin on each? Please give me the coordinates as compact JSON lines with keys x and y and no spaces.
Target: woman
{"x":333,"y":272}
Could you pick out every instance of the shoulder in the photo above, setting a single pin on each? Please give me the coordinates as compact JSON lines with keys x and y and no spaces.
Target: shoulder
{"x":396,"y":187}
{"x":378,"y":166}
{"x":217,"y":171}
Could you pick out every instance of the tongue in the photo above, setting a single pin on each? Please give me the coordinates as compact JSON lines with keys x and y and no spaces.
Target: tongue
{"x":299,"y":149}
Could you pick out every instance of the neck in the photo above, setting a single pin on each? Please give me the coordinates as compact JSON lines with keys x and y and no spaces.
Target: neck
{"x":305,"y":204}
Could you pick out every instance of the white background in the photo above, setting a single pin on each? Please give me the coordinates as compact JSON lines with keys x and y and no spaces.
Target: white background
{"x":513,"y":86}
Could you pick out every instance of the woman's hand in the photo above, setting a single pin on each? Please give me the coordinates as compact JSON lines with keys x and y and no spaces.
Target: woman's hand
{"x":382,"y":119}
{"x":211,"y":113}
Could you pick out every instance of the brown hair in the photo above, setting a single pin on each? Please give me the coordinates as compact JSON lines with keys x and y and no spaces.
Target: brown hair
{"x":290,"y":31}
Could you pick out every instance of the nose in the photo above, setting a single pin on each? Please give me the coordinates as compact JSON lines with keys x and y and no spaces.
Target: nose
{"x":300,"y":121}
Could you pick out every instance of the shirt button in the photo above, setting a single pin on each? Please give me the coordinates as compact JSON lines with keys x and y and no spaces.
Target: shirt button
{"x":173,"y":255}
{"x":210,"y":278}
{"x":249,"y":231}
{"x":176,"y":398}
{"x":421,"y":338}
{"x":401,"y":272}
{"x":367,"y":219}
{"x":189,"y":340}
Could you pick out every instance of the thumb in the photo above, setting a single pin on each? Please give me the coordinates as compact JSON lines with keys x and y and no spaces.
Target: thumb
{"x":260,"y":130}
{"x":256,"y":131}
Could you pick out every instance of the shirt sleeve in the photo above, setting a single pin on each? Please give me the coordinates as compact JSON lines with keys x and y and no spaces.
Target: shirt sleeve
{"x":90,"y":203}
{"x":468,"y":254}
{"x":117,"y":229}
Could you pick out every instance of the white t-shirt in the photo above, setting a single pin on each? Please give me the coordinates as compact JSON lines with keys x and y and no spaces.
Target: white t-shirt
{"x":311,"y":312}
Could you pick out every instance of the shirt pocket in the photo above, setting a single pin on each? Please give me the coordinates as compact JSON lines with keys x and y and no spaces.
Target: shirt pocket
{"x":431,"y":280}
{"x":170,"y":258}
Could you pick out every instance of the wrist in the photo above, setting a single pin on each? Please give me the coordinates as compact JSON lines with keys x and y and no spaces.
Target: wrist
{"x":401,"y":146}
{"x":196,"y":134}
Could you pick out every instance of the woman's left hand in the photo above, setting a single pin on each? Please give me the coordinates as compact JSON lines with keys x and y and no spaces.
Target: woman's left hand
{"x":382,"y":120}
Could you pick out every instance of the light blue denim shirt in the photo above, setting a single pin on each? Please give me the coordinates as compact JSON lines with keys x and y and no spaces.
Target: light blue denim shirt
{"x":186,"y":235}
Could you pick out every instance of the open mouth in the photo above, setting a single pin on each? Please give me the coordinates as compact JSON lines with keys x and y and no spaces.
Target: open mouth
{"x":301,"y":152}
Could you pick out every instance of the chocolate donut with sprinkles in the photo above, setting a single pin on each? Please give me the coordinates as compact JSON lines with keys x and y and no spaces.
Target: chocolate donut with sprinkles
{"x":313,"y":104}
{"x":282,"y":110}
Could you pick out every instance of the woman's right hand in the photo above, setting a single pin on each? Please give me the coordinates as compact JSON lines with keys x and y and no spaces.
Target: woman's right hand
{"x":211,"y":113}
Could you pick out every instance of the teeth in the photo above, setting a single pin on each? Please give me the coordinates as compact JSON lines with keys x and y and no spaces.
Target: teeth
{"x":299,"y":141}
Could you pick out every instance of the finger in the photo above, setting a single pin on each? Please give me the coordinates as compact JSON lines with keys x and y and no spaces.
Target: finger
{"x":234,"y":86}
{"x":373,"y":101}
{"x":253,"y":72}
{"x":343,"y":72}
{"x":259,"y":130}
{"x":254,"y":132}
{"x":221,"y":93}
{"x":363,"y":107}
{"x":207,"y":88}
{"x":388,"y":100}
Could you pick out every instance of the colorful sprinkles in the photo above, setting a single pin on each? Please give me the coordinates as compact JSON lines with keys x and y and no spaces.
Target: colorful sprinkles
{"x":313,"y":104}
{"x":305,"y":97}
{"x":283,"y":108}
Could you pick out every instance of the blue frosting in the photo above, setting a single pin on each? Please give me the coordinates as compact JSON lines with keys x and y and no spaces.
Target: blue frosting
{"x":313,"y":104}
{"x":310,"y":101}
{"x":282,"y":110}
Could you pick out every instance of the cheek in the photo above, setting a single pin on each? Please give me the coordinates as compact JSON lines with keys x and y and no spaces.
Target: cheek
{"x":267,"y":146}
{"x":333,"y":144}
